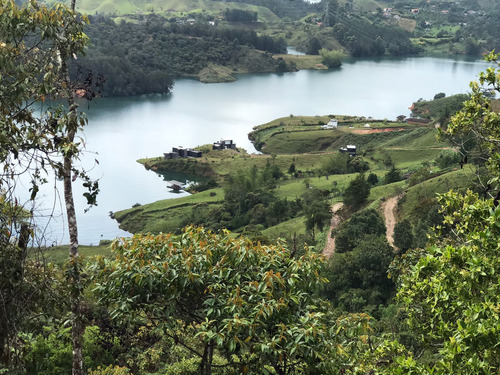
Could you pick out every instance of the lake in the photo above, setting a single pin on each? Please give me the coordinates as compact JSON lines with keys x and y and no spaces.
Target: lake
{"x":122,"y":130}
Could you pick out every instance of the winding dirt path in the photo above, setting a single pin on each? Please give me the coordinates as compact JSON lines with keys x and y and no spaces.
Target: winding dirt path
{"x":330,"y":242}
{"x":389,"y":208}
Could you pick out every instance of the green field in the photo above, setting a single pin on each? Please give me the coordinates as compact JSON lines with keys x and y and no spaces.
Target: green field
{"x":423,"y":195}
{"x":168,"y":8}
{"x":59,"y":254}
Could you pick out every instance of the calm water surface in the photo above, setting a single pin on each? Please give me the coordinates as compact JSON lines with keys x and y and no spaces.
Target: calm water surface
{"x":122,"y":130}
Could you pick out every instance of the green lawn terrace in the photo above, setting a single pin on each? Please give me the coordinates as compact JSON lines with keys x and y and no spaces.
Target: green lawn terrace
{"x":299,"y":134}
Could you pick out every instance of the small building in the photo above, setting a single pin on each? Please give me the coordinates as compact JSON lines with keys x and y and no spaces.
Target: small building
{"x":193,"y":153}
{"x":175,"y":185}
{"x":181,"y":151}
{"x":367,"y":126}
{"x":332,"y":124}
{"x":224,"y":144}
{"x":170,"y":155}
{"x":349,"y":149}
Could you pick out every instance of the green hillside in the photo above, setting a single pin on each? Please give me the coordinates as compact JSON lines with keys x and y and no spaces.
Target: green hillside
{"x":298,"y":142}
{"x":168,"y":8}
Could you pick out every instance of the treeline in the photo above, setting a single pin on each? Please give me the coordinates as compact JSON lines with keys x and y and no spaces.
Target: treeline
{"x":251,"y":206}
{"x":231,"y":34}
{"x":293,"y":10}
{"x":363,"y":38}
{"x":145,"y":58}
{"x":240,"y":15}
{"x":481,"y":34}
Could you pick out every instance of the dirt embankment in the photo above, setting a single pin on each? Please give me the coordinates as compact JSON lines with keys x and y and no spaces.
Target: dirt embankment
{"x":330,"y":242}
{"x":389,"y":210}
{"x":379,"y":130}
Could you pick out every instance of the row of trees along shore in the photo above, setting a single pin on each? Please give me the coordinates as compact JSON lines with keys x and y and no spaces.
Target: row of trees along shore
{"x":208,"y":303}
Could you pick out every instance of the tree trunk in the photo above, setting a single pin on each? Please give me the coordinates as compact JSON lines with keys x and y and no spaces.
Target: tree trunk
{"x":206,"y":360}
{"x":77,"y":326}
{"x":77,"y":323}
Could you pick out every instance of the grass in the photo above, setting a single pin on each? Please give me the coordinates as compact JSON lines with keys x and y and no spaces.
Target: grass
{"x":408,"y":158}
{"x":424,"y":194}
{"x":299,"y":134}
{"x":295,"y":188}
{"x":203,"y":197}
{"x":169,"y":8}
{"x":59,"y":254}
{"x":380,"y":193}
{"x":303,"y":61}
{"x":286,"y":228}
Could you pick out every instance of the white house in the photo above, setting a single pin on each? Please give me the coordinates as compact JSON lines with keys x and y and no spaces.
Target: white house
{"x":332,"y":124}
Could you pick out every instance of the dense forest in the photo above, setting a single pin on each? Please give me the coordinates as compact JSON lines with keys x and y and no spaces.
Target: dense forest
{"x":152,"y":53}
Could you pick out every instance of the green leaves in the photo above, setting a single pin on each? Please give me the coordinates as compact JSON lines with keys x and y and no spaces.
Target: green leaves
{"x":242,"y":296}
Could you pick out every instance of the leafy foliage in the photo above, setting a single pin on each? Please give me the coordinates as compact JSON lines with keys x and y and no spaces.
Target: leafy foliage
{"x":358,"y":278}
{"x":403,"y":235}
{"x":356,"y":194}
{"x":451,"y":289}
{"x":240,"y":297}
{"x":349,"y":233}
{"x":332,"y":59}
{"x":154,"y":52}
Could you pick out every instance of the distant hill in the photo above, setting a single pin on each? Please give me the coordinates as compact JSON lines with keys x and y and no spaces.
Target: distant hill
{"x":268,"y":10}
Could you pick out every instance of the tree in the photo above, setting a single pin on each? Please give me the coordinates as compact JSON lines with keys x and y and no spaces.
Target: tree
{"x":316,"y":210}
{"x":392,"y":176}
{"x":451,"y":289}
{"x":313,"y":46}
{"x":403,"y":235}
{"x":332,"y":59}
{"x":351,"y":232}
{"x":253,"y":303}
{"x":356,"y":194}
{"x":37,"y":44}
{"x":372,"y":179}
{"x":359,"y":277}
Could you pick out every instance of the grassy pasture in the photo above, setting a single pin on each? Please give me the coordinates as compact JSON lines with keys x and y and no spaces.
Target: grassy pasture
{"x":286,"y":228}
{"x":169,"y":8}
{"x":424,"y":194}
{"x":303,"y":61}
{"x":59,"y":254}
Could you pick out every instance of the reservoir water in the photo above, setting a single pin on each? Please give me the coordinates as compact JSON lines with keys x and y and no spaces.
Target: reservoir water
{"x":122,"y":130}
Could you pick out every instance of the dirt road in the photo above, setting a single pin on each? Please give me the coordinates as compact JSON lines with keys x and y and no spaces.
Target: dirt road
{"x":330,"y":242}
{"x":389,"y":208}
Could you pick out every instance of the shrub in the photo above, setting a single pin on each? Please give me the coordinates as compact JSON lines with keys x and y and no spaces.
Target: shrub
{"x":110,"y":370}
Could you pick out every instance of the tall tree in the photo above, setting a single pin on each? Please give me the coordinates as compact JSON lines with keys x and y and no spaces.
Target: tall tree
{"x":316,"y":210}
{"x":252,"y":302}
{"x":37,"y":43}
{"x":356,"y":194}
{"x":451,"y":290}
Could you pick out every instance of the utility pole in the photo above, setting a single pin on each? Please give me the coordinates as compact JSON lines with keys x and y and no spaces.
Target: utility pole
{"x":326,"y":21}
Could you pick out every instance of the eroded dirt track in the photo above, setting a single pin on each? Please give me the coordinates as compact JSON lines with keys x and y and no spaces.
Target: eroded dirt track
{"x":330,"y":242}
{"x":389,"y":209}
